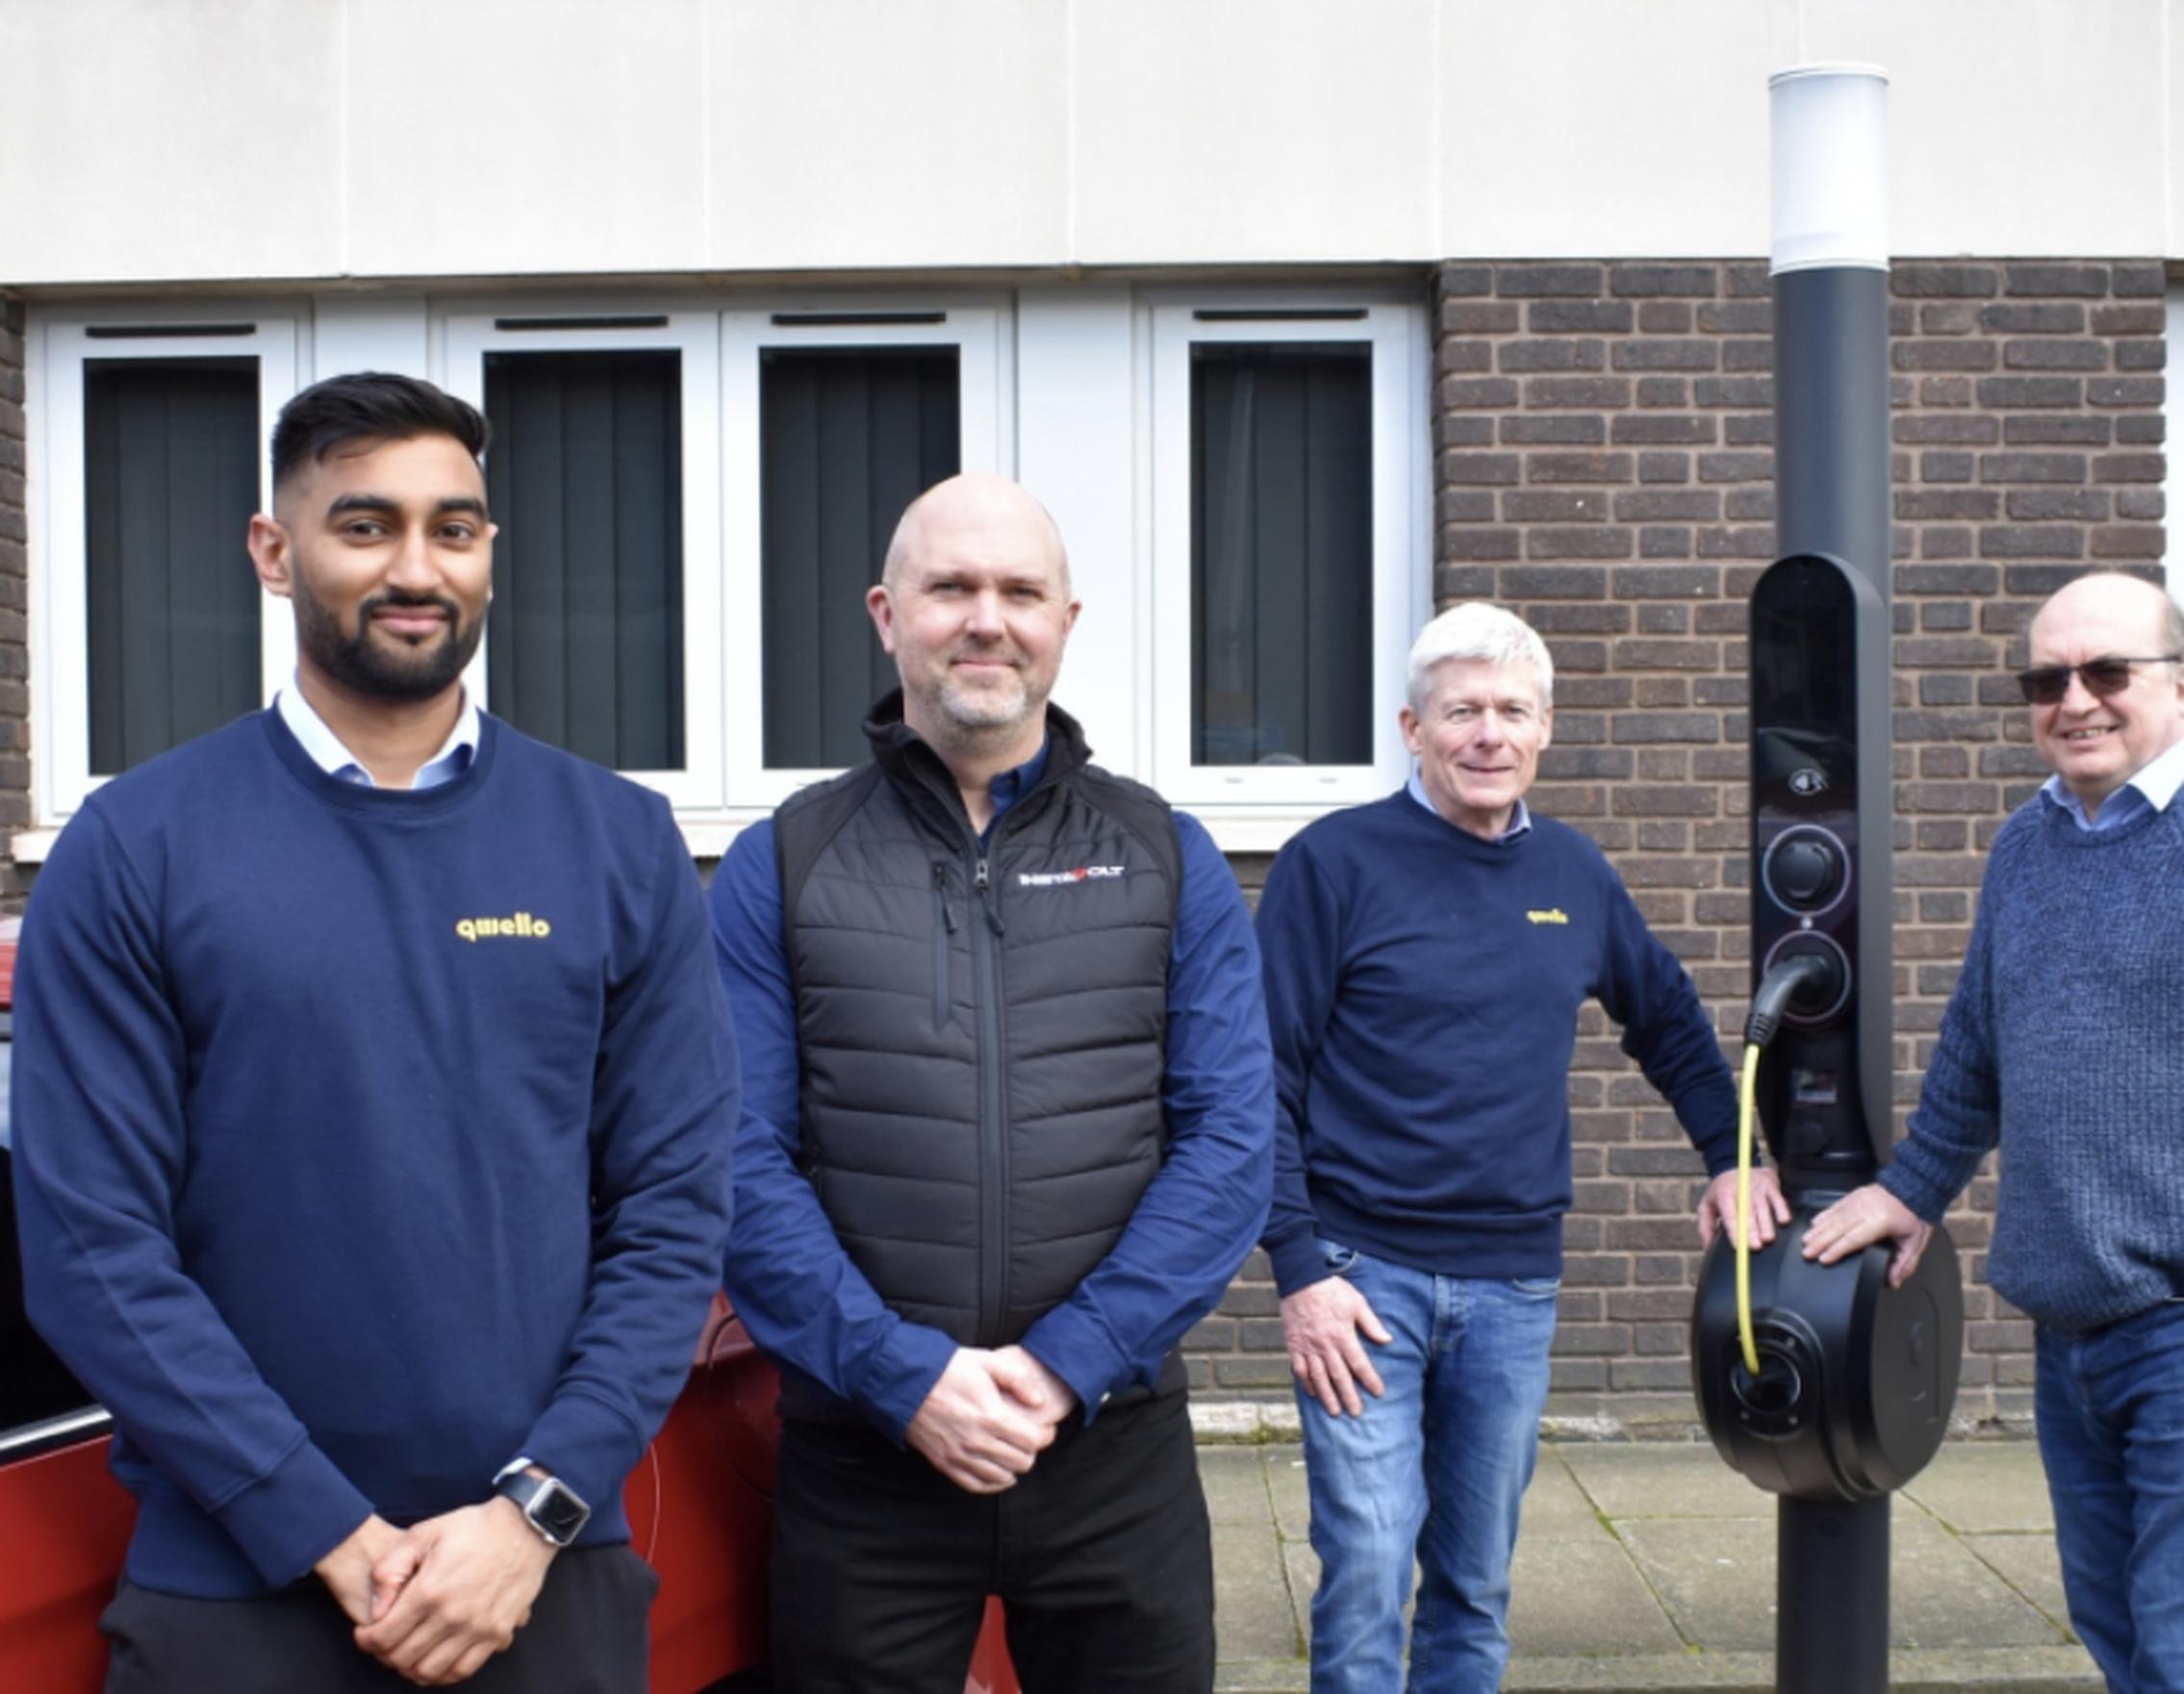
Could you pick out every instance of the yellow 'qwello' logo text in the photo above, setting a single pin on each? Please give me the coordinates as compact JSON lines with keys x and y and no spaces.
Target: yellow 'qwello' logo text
{"x":1552,"y":915}
{"x":522,"y":925}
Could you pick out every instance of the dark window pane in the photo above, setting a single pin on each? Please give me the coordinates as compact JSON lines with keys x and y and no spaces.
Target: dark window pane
{"x":170,"y":479}
{"x":1282,"y":553}
{"x":847,"y":436}
{"x":584,"y":641}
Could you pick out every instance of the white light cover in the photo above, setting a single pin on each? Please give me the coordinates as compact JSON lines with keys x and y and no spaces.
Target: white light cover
{"x":1831,"y":166}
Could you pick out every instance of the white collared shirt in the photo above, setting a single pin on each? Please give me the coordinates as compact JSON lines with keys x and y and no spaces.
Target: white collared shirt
{"x":2150,"y":788}
{"x":1520,"y":820}
{"x":330,"y":755}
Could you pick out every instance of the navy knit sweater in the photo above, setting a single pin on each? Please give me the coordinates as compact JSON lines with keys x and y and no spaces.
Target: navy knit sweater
{"x":1423,"y":988}
{"x":2064,"y":1043}
{"x":367,"y":1140}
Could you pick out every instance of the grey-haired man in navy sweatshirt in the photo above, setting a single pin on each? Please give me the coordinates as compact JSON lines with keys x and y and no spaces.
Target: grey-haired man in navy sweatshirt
{"x":1426,"y":957}
{"x":371,"y":1102}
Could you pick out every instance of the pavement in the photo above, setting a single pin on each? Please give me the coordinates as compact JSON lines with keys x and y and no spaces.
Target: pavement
{"x":1645,"y":1566}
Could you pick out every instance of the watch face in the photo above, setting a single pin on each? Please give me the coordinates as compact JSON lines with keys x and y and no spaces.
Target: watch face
{"x":556,"y":1509}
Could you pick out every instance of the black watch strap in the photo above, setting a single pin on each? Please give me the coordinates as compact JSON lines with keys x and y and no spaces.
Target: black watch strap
{"x":549,"y":1504}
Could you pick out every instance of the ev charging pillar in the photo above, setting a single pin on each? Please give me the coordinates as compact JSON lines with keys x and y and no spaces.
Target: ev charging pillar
{"x":1855,"y":1379}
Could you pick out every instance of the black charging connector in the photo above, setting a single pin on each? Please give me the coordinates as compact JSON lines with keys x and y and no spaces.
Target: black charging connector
{"x":1789,"y":977}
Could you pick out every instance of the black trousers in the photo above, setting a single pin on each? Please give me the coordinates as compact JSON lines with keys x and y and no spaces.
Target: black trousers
{"x":1102,"y":1556}
{"x":587,"y":1636}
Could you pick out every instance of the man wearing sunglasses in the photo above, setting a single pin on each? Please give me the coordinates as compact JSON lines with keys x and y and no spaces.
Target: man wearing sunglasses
{"x":2062,"y":1047}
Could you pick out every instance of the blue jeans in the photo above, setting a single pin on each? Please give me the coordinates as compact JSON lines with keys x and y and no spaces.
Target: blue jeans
{"x":1436,"y":1468}
{"x":2110,"y":1407}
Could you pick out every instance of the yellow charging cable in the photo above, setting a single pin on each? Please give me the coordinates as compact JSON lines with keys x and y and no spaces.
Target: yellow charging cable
{"x":1747,"y":1109}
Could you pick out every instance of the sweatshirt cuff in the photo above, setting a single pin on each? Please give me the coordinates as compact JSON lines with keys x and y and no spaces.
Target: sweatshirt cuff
{"x":1074,"y":1345}
{"x":587,"y":1444}
{"x":893,"y":1383}
{"x":1297,"y":1262}
{"x":1927,"y":1199}
{"x":289,"y":1520}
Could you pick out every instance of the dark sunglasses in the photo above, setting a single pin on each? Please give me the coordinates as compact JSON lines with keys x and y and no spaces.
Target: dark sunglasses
{"x":2044,"y":685}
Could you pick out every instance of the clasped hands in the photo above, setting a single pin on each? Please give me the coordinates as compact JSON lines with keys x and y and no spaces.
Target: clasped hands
{"x":989,"y":1417}
{"x":433,"y":1602}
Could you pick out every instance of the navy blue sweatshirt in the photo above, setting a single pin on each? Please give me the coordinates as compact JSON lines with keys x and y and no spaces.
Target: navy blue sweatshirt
{"x":367,"y":1140}
{"x":1423,"y":989}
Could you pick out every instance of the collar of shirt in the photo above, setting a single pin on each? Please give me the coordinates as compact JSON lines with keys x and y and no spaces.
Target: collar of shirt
{"x":1011,"y":786}
{"x":328,"y":754}
{"x":2151,"y":788}
{"x":1520,"y":820}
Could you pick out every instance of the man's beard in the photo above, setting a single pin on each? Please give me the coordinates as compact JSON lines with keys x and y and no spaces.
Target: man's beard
{"x":378,"y":670}
{"x":985,"y":709}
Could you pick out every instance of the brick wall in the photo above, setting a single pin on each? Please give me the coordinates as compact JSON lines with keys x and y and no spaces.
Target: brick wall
{"x":14,"y":648}
{"x":1603,"y":464}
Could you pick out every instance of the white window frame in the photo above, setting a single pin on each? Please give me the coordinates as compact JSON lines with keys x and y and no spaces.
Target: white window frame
{"x":58,"y":347}
{"x":470,"y":331}
{"x":975,"y":327}
{"x":1265,"y":803}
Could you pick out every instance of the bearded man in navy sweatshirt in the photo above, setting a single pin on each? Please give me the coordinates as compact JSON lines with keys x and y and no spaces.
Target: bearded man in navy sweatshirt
{"x":1426,"y":957}
{"x":372,"y":1096}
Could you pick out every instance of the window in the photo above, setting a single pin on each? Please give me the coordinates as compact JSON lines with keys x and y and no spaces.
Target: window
{"x":847,"y":437}
{"x":605,"y":635}
{"x":695,"y":494}
{"x":1289,"y":573}
{"x":152,"y":620}
{"x":837,"y":418}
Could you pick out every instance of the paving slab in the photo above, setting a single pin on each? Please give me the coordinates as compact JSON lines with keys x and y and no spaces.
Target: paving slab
{"x":1556,"y":1508}
{"x":1253,"y":1617}
{"x":1583,"y":1599}
{"x":1716,"y":1577}
{"x":1975,"y":1486}
{"x":1286,"y":1487}
{"x":1662,"y":1479}
{"x":2029,"y":1564}
{"x":1649,"y":1567}
{"x":1234,"y":1478}
{"x":1943,"y":1595}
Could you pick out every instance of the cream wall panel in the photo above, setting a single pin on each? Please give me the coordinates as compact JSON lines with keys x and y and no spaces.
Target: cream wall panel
{"x":201,"y":141}
{"x":860,"y":134}
{"x":144,"y":139}
{"x":1250,"y":130}
{"x":1603,"y":128}
{"x":2031,"y":127}
{"x":516,"y":136}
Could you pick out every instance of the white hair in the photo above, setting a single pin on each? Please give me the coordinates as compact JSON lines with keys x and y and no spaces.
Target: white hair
{"x":1476,"y":630}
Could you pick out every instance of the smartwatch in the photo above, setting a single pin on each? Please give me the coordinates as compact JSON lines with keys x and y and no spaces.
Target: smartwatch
{"x":549,"y":1504}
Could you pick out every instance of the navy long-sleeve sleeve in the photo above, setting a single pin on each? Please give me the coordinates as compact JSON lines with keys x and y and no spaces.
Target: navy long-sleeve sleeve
{"x":1423,"y":988}
{"x":809,"y":1308}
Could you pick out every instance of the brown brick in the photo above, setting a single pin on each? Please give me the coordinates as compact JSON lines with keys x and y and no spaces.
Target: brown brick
{"x":1476,"y":317}
{"x":1691,"y":280}
{"x":1923,"y":281}
{"x":1668,"y":353}
{"x":1552,"y":353}
{"x":1578,"y":468}
{"x":1576,"y":317}
{"x":2066,"y":468}
{"x":1554,"y":428}
{"x":1944,"y":355}
{"x":2069,"y":505}
{"x":1572,"y":392}
{"x":1582,"y":281}
{"x":1577,"y":541}
{"x":1555,"y":505}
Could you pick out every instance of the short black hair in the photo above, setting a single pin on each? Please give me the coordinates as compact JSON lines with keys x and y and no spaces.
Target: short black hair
{"x":369,"y":405}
